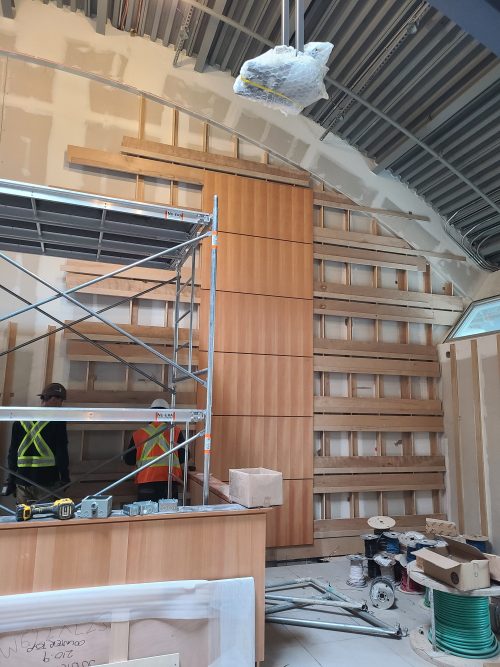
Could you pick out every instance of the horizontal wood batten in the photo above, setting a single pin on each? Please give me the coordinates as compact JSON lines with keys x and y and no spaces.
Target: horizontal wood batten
{"x":324,"y":233}
{"x":378,"y":423}
{"x":354,"y":348}
{"x":324,"y":465}
{"x":148,"y":334}
{"x":369,"y":257}
{"x":331,"y":236}
{"x":137,"y":273}
{"x":389,"y":296}
{"x":386,"y":406}
{"x":433,"y":481}
{"x":324,"y":528}
{"x":92,"y":157}
{"x":193,"y":158}
{"x":83,"y":351}
{"x":376,"y":366}
{"x":334,"y":200}
{"x":373,"y":311}
{"x":128,"y":288}
{"x":125,"y":397}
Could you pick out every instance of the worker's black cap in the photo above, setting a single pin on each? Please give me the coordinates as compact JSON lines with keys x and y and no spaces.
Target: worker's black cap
{"x":55,"y":390}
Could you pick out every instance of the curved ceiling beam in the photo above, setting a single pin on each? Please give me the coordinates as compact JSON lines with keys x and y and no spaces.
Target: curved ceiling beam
{"x":415,"y":140}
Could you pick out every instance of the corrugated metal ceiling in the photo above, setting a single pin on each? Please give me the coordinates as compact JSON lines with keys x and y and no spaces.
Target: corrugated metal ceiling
{"x":408,"y":87}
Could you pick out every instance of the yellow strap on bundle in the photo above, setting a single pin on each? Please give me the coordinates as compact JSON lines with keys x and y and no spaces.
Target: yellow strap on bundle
{"x":268,"y":90}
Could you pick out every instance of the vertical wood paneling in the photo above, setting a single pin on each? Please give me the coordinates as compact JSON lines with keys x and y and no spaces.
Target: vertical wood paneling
{"x":257,"y":324}
{"x":254,"y":265}
{"x":258,"y":208}
{"x":263,"y":371}
{"x":278,"y":443}
{"x":292,"y":524}
{"x":261,"y":385}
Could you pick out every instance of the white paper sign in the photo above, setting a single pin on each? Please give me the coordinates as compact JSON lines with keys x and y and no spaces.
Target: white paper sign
{"x":85,"y":645}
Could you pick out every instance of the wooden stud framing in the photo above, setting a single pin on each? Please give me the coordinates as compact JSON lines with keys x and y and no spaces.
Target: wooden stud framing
{"x":334,"y":200}
{"x":376,"y":366}
{"x":49,"y":356}
{"x":481,"y":473}
{"x":8,"y":380}
{"x":374,"y":311}
{"x":369,"y":257}
{"x":456,"y":434}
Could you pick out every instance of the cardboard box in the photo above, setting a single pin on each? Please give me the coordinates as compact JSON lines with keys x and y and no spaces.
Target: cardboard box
{"x":440,"y":527}
{"x":463,"y":567}
{"x":256,"y":487}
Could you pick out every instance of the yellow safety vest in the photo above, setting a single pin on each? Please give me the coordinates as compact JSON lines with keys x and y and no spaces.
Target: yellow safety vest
{"x":44,"y":458}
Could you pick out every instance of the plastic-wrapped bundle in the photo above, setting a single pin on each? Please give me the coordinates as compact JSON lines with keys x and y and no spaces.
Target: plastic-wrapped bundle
{"x":286,"y":79}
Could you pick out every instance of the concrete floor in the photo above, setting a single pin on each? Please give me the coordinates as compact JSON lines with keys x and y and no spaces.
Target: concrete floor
{"x":290,"y":646}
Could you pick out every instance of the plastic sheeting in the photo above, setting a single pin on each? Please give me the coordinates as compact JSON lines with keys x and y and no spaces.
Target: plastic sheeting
{"x":286,"y":79}
{"x":223,"y":610}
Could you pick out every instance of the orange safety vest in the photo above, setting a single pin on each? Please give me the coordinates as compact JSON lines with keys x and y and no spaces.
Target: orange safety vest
{"x":154,"y":447}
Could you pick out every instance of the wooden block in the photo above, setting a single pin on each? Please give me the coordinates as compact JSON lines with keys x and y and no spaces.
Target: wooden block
{"x":260,"y":385}
{"x":374,"y":311}
{"x":254,"y":265}
{"x":377,"y":366}
{"x":251,"y":323}
{"x":256,"y":208}
{"x":92,"y":157}
{"x":148,"y":334}
{"x":350,"y":527}
{"x":438,"y":526}
{"x":380,"y":423}
{"x":369,"y":257}
{"x":334,"y":200}
{"x":212,"y":162}
{"x":371,"y":349}
{"x":392,"y":481}
{"x":366,"y":464}
{"x":386,"y":406}
{"x":277,"y":443}
{"x":83,"y":351}
{"x":128,"y":288}
{"x":389,"y":296}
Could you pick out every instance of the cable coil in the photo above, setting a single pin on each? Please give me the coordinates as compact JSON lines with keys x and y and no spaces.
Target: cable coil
{"x":463,"y":627}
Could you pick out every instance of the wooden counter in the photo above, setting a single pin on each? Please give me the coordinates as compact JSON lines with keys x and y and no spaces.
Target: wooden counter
{"x":46,"y":555}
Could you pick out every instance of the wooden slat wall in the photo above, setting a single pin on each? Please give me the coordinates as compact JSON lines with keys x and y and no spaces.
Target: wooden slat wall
{"x":263,"y":387}
{"x":353,"y":416}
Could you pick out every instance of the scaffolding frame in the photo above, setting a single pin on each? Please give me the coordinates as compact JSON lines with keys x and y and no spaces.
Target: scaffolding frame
{"x":194,"y":227}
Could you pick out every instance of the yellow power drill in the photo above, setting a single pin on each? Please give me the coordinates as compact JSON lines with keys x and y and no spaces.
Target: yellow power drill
{"x":64,"y":508}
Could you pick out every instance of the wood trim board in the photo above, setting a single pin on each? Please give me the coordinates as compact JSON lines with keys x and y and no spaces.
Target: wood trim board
{"x":378,"y":423}
{"x":333,"y":200}
{"x":194,"y":158}
{"x":368,"y":257}
{"x":385,"y":406}
{"x":364,"y":482}
{"x":369,"y":366}
{"x":354,"y":348}
{"x":366,"y":464}
{"x":374,"y":311}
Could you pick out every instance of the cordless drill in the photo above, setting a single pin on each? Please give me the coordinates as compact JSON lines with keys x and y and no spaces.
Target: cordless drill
{"x":64,"y":508}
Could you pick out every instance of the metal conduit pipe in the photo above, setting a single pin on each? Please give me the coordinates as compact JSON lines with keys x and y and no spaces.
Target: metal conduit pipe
{"x":340,"y":627}
{"x":317,"y":601}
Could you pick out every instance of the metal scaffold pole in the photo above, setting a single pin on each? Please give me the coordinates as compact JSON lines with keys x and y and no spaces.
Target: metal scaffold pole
{"x":199,"y":226}
{"x":210,"y":363}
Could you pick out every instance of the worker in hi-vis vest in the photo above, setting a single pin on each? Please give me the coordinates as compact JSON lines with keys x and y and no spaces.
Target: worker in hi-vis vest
{"x":152,"y":482}
{"x":39,"y":452}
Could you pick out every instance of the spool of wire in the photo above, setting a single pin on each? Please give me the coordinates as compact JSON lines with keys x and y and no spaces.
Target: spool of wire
{"x":409,"y":551}
{"x":427,"y":600}
{"x":382,"y":541}
{"x":371,"y":544}
{"x":426,"y":544}
{"x":356,"y":578}
{"x":463,"y":627}
{"x":478,"y":542}
{"x":391,"y":542}
{"x":407,"y":584}
{"x":387,"y":571}
{"x":373,"y":569}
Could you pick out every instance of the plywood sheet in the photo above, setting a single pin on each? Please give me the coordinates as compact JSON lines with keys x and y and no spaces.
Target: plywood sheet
{"x":259,"y":324}
{"x":292,"y":523}
{"x":278,"y":443}
{"x":258,"y":208}
{"x":261,"y":385}
{"x":255,"y":265}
